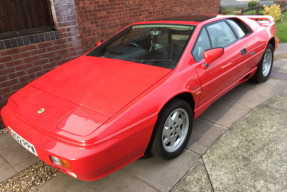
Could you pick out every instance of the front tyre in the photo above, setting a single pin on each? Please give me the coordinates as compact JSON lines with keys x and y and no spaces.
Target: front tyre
{"x":173,"y":129}
{"x":265,"y":65}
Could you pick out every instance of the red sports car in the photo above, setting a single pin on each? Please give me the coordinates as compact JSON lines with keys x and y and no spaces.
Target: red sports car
{"x":138,"y":92}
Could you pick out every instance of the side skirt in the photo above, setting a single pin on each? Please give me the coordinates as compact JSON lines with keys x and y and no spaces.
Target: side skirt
{"x":198,"y":111}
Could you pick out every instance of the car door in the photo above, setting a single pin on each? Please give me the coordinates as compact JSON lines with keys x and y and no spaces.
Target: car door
{"x":222,"y":34}
{"x":255,"y":43}
{"x":244,"y":61}
{"x":225,"y":70}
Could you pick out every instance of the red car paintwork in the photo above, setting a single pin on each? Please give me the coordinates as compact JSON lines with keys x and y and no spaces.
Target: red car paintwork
{"x":100,"y":113}
{"x":211,"y":55}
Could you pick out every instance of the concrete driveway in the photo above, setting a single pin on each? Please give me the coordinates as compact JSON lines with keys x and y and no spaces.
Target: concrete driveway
{"x":238,"y":144}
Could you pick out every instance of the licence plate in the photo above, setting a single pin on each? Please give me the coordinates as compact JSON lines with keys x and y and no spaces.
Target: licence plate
{"x":23,"y":142}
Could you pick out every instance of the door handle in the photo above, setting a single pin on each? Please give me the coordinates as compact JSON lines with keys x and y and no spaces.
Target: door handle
{"x":243,"y":51}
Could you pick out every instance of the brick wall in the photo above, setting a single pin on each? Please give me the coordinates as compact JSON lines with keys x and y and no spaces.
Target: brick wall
{"x":99,"y":19}
{"x":80,"y":24}
{"x":34,"y":55}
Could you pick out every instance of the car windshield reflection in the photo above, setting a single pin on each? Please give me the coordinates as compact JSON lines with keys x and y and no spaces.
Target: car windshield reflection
{"x":158,"y":45}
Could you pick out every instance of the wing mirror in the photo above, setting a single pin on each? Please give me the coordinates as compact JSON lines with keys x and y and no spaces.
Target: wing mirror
{"x":211,"y":55}
{"x":99,"y":43}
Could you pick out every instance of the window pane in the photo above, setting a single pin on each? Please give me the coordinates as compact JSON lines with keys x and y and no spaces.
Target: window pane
{"x":220,"y":34}
{"x":22,"y":17}
{"x":239,"y":32}
{"x":201,"y":45}
{"x":154,"y":44}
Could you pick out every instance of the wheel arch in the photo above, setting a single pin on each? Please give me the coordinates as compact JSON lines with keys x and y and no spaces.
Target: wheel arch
{"x":272,"y":42}
{"x":186,"y":96}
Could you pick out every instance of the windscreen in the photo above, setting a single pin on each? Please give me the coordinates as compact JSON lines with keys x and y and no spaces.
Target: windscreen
{"x":153,"y":44}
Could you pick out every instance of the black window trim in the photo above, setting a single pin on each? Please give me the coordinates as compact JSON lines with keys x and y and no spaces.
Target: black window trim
{"x":248,"y":28}
{"x":233,"y":30}
{"x":202,"y":28}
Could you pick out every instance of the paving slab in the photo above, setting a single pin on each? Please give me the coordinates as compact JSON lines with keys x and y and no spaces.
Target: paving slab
{"x":282,"y":48}
{"x":119,"y":181}
{"x":244,"y":96}
{"x":252,"y":155}
{"x":279,"y":73}
{"x":6,"y":171}
{"x":195,"y":180}
{"x":224,"y":113}
{"x":270,"y":87}
{"x":161,"y":174}
{"x":281,"y":63}
{"x":204,"y":134}
{"x":17,"y":156}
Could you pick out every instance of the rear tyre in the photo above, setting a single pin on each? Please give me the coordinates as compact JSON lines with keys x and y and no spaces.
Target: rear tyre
{"x":265,"y":66}
{"x":173,"y":129}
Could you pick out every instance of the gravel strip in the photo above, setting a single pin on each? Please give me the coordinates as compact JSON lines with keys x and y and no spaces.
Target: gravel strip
{"x":3,"y":131}
{"x":29,"y":179}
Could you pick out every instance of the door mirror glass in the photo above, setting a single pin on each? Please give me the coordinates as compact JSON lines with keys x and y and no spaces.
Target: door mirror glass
{"x":211,"y":55}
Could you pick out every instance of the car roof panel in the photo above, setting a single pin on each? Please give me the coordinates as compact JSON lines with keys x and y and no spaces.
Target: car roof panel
{"x":191,"y":18}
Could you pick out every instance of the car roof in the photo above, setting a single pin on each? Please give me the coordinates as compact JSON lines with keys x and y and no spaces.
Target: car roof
{"x":185,"y":19}
{"x":191,"y":18}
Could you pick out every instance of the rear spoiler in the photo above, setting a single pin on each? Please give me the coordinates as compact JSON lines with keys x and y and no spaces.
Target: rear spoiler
{"x":263,"y":20}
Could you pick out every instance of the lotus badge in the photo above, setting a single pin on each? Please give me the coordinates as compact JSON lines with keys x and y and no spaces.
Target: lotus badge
{"x":41,"y":110}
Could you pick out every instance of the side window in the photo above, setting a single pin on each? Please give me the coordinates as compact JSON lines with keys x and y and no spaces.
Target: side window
{"x":220,"y":34}
{"x":201,"y":45}
{"x":239,"y":32}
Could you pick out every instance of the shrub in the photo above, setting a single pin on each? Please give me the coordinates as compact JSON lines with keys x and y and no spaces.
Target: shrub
{"x":252,"y":3}
{"x":273,"y":10}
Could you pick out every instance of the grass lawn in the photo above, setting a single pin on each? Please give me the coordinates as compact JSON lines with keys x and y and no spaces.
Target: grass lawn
{"x":281,"y":29}
{"x":252,"y":12}
{"x":230,"y":11}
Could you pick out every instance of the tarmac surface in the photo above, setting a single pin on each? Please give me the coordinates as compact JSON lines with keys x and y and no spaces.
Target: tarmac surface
{"x":238,"y":144}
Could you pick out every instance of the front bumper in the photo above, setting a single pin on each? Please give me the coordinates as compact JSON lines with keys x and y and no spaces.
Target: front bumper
{"x":87,"y":163}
